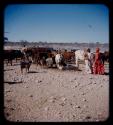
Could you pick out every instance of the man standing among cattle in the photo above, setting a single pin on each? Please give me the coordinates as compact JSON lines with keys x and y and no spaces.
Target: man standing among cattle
{"x":23,"y":50}
{"x":87,"y":58}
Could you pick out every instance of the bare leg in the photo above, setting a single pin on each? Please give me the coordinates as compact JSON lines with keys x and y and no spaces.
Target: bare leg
{"x":28,"y":69}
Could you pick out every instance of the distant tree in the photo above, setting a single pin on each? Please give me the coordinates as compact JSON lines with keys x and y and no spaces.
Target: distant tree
{"x":24,"y":42}
{"x":97,"y":43}
{"x":5,"y":38}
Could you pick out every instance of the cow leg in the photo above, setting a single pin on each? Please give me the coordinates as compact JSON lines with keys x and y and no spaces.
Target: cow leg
{"x":21,"y":70}
{"x":11,"y":62}
{"x":26,"y":68}
{"x":16,"y":60}
{"x":7,"y":62}
{"x":37,"y":63}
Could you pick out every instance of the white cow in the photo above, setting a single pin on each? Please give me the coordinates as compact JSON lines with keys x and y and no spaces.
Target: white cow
{"x":79,"y":55}
{"x":59,"y":60}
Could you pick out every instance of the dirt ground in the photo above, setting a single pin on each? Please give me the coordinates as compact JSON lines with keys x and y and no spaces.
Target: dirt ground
{"x":52,"y":95}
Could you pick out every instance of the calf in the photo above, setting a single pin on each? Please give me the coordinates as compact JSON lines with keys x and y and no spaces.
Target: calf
{"x":25,"y":64}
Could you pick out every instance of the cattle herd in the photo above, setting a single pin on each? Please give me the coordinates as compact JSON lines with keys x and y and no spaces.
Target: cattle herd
{"x":43,"y":57}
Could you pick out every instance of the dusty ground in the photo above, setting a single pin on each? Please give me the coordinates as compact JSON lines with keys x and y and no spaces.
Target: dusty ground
{"x":54,"y":95}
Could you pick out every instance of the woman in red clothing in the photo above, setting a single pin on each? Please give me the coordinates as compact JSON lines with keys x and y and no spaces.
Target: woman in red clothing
{"x":98,"y":66}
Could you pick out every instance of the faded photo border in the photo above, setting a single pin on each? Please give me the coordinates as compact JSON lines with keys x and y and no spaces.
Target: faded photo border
{"x":108,"y":3}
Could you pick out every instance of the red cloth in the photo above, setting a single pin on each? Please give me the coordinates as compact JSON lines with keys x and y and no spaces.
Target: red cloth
{"x":98,"y":67}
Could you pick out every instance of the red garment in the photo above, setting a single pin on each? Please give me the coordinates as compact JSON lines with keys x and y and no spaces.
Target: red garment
{"x":98,"y":67}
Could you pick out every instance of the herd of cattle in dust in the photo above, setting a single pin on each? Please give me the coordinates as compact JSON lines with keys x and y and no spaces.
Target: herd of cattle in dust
{"x":47,"y":57}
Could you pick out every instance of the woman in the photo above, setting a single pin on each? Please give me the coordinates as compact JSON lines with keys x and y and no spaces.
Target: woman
{"x":98,"y":66}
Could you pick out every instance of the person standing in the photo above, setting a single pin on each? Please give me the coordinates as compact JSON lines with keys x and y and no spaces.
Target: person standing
{"x":23,"y":50}
{"x":98,"y":66}
{"x":87,"y":58}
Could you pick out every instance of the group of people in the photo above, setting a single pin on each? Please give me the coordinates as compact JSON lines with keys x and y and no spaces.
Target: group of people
{"x":93,"y":63}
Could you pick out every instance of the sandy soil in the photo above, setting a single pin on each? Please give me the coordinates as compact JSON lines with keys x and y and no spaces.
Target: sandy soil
{"x":51,"y":95}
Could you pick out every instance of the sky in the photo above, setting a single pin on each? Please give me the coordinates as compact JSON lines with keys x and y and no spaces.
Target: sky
{"x":57,"y":23}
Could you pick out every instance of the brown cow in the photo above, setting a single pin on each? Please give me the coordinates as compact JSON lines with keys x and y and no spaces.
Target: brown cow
{"x":38,"y":54}
{"x":68,"y":56}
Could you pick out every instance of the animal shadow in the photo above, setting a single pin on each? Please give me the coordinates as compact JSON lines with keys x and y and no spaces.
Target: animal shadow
{"x":37,"y":72}
{"x":71,"y":67}
{"x":106,"y":73}
{"x":33,"y":72}
{"x":13,"y":82}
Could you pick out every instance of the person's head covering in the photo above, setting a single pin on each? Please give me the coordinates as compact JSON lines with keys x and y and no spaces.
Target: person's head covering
{"x":97,"y":50}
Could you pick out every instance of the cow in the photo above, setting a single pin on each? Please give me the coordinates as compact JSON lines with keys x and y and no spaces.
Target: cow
{"x":106,"y":56}
{"x":39,"y":55}
{"x":25,"y":63}
{"x":10,"y":55}
{"x":79,"y":55}
{"x":50,"y":61}
{"x":18,"y":54}
{"x":59,"y":59}
{"x":68,"y":56}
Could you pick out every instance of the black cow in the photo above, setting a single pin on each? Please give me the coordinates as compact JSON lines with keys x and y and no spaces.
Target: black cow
{"x":104,"y":57}
{"x":10,"y":55}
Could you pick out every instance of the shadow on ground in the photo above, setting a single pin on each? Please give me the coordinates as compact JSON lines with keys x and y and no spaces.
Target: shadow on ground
{"x":37,"y":72}
{"x":71,"y":67}
{"x":106,"y":73}
{"x":9,"y":82}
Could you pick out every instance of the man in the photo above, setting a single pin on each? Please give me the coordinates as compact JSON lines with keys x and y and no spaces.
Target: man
{"x":88,"y":65}
{"x":23,"y":50}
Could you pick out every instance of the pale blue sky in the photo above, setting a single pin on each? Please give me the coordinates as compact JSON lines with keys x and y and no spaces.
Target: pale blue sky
{"x":57,"y":22}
